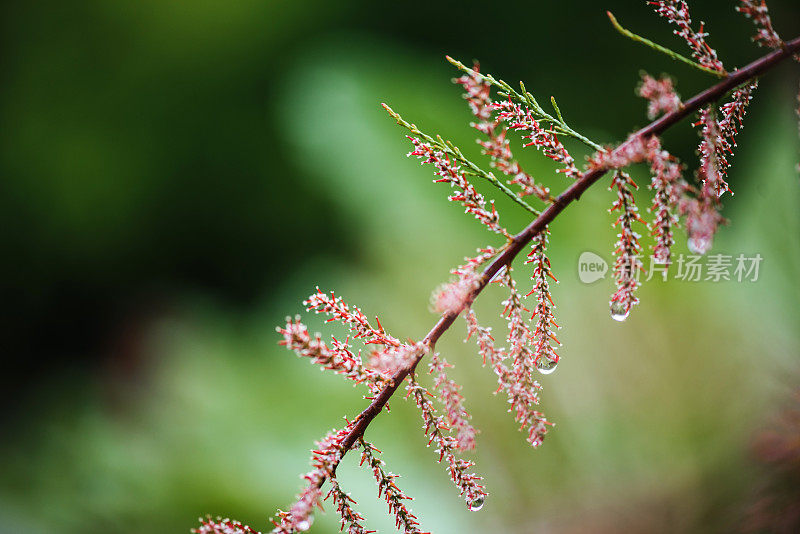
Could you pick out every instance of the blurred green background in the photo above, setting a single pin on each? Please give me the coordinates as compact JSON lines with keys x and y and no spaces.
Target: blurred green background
{"x":175,"y":177}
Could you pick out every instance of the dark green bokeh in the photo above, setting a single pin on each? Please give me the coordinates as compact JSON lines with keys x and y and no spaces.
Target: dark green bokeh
{"x":177,"y":176}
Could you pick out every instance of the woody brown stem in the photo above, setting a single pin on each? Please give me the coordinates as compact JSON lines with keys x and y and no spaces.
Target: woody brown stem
{"x":569,"y":195}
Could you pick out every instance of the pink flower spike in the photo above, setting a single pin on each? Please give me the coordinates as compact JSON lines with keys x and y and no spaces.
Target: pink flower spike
{"x":628,"y":250}
{"x":520,"y":119}
{"x":452,"y":174}
{"x":470,"y":268}
{"x":343,"y":503}
{"x":520,"y":337}
{"x":712,"y":155}
{"x":453,"y":402}
{"x":759,"y":14}
{"x":497,"y":147}
{"x":358,"y":323}
{"x":405,"y":521}
{"x":677,"y":12}
{"x":665,"y":183}
{"x":451,"y":298}
{"x":544,"y":358}
{"x":702,"y":221}
{"x":634,"y":150}
{"x":660,"y":94}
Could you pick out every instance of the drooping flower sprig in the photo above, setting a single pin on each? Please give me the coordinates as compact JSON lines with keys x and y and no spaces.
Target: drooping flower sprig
{"x":544,"y":339}
{"x":453,"y":402}
{"x":520,"y":336}
{"x":531,"y":342}
{"x":628,"y":263}
{"x":405,"y":521}
{"x":350,"y":519}
{"x":667,"y":185}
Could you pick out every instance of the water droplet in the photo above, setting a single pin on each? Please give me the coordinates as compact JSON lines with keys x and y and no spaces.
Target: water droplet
{"x":546,"y":366}
{"x":619,"y":312}
{"x":305,"y":524}
{"x":699,"y":245}
{"x":477,"y":503}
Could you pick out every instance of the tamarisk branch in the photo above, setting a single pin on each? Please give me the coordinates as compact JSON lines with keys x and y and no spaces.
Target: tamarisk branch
{"x":568,"y":196}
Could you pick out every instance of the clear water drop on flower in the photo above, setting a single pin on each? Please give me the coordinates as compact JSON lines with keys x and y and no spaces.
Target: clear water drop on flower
{"x":305,"y":524}
{"x":546,"y":366}
{"x":477,"y":503}
{"x":699,"y":245}
{"x":618,"y":311}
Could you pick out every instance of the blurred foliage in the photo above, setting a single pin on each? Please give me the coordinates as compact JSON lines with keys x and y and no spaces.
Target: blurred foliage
{"x":177,"y":176}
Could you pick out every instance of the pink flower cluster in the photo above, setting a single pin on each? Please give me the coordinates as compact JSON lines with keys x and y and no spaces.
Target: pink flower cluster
{"x":628,"y":249}
{"x":759,"y":14}
{"x":392,"y":360}
{"x":520,"y":119}
{"x":323,"y":462}
{"x":438,"y":432}
{"x":451,"y":297}
{"x":404,"y":519}
{"x":497,"y":147}
{"x":452,"y":174}
{"x":660,"y":94}
{"x":677,"y":12}
{"x":452,"y":400}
